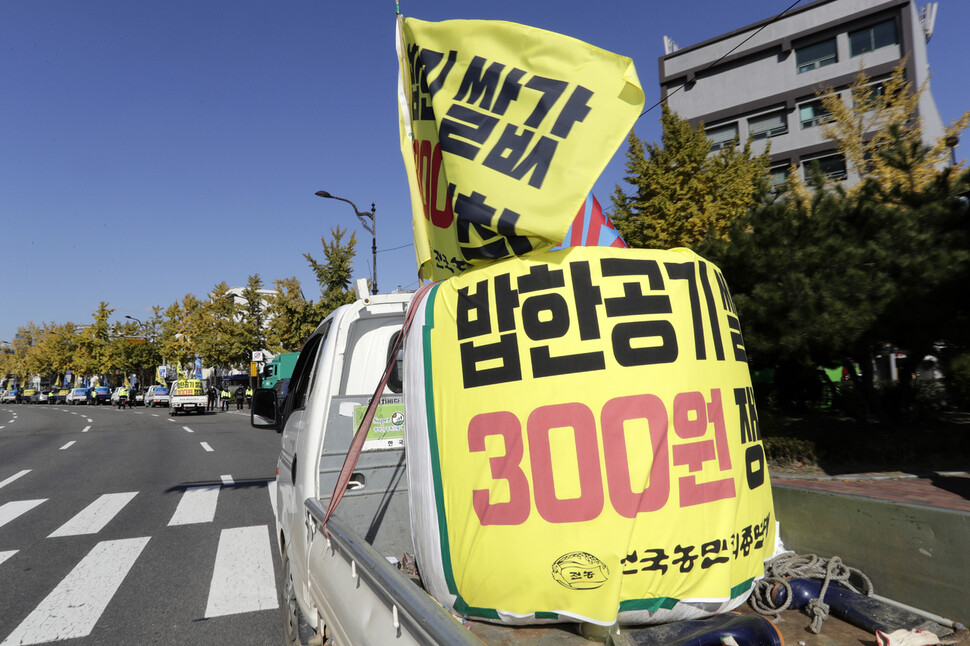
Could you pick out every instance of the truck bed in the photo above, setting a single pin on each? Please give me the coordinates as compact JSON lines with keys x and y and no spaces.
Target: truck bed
{"x":394,"y":608}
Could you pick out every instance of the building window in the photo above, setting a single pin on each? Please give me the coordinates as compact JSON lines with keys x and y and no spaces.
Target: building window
{"x":832,"y":167}
{"x":872,"y":38}
{"x":813,"y":114}
{"x":722,"y":136}
{"x":768,"y":125}
{"x":815,"y":56}
{"x":777,"y":177}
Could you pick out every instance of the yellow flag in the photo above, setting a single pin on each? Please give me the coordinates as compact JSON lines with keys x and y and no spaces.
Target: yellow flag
{"x":504,"y":130}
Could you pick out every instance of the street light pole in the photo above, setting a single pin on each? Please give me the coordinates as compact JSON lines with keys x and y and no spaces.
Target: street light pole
{"x":371,"y":228}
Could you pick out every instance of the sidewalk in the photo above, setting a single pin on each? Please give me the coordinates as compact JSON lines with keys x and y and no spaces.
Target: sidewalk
{"x":946,"y":490}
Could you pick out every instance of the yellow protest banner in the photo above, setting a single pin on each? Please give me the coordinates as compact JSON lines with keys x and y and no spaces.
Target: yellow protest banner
{"x":504,"y":130}
{"x":188,"y":387}
{"x":594,"y":445}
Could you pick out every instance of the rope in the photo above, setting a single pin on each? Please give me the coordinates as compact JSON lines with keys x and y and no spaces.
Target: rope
{"x":788,"y":565}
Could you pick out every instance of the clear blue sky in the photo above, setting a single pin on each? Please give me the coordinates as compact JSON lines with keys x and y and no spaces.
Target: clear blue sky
{"x":149,"y":150}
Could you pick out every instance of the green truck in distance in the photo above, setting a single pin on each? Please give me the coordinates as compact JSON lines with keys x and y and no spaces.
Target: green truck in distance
{"x":280,"y":367}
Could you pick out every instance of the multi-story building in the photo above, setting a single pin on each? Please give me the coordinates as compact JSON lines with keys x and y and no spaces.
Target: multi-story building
{"x":761,"y":80}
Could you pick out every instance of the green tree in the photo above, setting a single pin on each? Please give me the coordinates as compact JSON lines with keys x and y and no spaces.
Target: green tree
{"x":94,"y":344}
{"x":35,"y":359}
{"x":59,"y":344}
{"x":831,"y":278}
{"x":22,"y":347}
{"x":291,"y":317}
{"x":252,"y":312}
{"x":224,"y":344}
{"x":182,"y":331}
{"x":334,"y":275}
{"x":682,"y":193}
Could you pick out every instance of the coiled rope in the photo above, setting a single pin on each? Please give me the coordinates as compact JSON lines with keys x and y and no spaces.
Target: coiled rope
{"x":789,"y":565}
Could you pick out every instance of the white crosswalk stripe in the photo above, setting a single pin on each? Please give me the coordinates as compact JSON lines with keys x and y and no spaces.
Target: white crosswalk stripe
{"x":243,"y":574}
{"x":95,"y":516}
{"x":243,"y":579}
{"x":73,"y":608}
{"x":197,"y":505}
{"x":14,"y":476}
{"x":12,"y":510}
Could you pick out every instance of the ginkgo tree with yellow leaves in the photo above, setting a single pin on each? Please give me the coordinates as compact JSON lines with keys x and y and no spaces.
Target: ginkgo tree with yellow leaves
{"x":681,"y":192}
{"x":878,"y":116}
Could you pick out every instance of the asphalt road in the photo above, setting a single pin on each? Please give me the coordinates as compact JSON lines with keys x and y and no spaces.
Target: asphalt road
{"x":134,"y":527}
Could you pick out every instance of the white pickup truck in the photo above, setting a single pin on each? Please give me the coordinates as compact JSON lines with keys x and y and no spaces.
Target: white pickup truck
{"x":187,"y":396}
{"x":337,"y":372}
{"x":358,"y":585}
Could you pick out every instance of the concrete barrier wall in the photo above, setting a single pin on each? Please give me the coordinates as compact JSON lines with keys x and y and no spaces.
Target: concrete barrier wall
{"x":917,"y":555}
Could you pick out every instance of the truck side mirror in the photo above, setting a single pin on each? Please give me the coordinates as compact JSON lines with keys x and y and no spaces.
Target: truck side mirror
{"x":264,"y":413}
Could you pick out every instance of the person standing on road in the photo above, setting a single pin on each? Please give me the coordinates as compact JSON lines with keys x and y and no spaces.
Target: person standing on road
{"x":240,"y":396}
{"x":211,"y":399}
{"x":224,"y":394}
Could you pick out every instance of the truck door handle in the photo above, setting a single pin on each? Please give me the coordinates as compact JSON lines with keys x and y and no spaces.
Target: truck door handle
{"x":311,"y":526}
{"x":357,"y":481}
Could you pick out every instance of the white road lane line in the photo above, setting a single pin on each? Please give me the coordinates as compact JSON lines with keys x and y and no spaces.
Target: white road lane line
{"x":197,"y":505}
{"x":205,"y":445}
{"x":68,"y":445}
{"x":227,"y":479}
{"x":11,"y":510}
{"x":188,"y":430}
{"x":14,"y":476}
{"x":86,"y":428}
{"x":89,"y":420}
{"x":73,"y":608}
{"x":95,"y":516}
{"x":5,"y":555}
{"x":243,"y":579}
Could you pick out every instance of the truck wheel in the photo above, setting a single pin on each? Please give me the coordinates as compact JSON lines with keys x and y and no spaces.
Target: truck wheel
{"x":291,"y":609}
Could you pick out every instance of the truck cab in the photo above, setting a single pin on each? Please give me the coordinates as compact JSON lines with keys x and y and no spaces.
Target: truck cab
{"x":279,"y":367}
{"x":333,"y":380}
